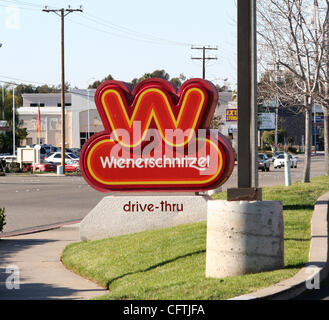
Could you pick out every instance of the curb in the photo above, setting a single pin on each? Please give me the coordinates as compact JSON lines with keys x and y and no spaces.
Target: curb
{"x":38,"y":229}
{"x":317,"y":267}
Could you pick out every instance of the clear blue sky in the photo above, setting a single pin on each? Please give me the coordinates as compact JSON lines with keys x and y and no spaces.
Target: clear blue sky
{"x":31,"y":39}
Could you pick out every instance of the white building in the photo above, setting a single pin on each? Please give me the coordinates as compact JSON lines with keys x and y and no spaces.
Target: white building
{"x":80,"y":111}
{"x":81,"y":117}
{"x":225,"y":103}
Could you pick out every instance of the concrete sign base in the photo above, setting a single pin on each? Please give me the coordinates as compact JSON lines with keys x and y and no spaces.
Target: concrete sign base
{"x":244,"y":237}
{"x":125,"y":214}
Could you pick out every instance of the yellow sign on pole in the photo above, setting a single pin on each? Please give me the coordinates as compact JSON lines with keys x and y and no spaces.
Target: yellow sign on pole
{"x":231,"y":115}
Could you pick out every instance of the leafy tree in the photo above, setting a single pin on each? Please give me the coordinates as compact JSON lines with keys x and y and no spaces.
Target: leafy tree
{"x":269,"y":137}
{"x":293,"y":39}
{"x":134,"y":82}
{"x":216,"y":122}
{"x":50,"y":89}
{"x":6,"y":139}
{"x":176,"y":82}
{"x":97,"y":83}
{"x":161,"y":74}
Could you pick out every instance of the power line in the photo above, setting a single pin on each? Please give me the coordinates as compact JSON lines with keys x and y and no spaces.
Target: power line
{"x":204,"y":58}
{"x":123,"y":32}
{"x":24,"y":3}
{"x":130,"y":35}
{"x":113,"y":34}
{"x":26,"y":81}
{"x":126,"y":30}
{"x":21,"y":8}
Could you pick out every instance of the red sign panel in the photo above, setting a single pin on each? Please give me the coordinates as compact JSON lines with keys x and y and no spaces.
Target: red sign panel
{"x":157,"y":139}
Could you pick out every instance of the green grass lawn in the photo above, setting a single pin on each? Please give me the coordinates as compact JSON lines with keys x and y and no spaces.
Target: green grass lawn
{"x":170,"y":263}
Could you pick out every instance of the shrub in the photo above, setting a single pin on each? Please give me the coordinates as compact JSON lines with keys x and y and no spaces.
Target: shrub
{"x":2,"y":218}
{"x":14,"y":167}
{"x":292,"y":150}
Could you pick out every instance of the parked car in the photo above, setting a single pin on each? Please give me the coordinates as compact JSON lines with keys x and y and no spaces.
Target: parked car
{"x":43,"y":150}
{"x":76,"y":151}
{"x":43,"y":153}
{"x":48,"y":148}
{"x":44,"y":166}
{"x":59,"y":149}
{"x":263,"y":162}
{"x":276,"y":154}
{"x":56,"y":157}
{"x":9,"y":159}
{"x":280,"y":161}
{"x":72,"y":166}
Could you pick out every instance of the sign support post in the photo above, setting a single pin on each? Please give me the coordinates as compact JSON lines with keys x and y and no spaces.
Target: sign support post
{"x":247,"y":106}
{"x":245,"y":234}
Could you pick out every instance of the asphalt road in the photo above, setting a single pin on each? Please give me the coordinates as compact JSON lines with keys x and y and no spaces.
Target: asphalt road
{"x":32,"y":201}
{"x":277,"y":176}
{"x":317,"y":294}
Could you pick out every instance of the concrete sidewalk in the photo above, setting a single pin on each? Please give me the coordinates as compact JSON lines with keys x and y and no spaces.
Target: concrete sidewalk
{"x":42,"y":275}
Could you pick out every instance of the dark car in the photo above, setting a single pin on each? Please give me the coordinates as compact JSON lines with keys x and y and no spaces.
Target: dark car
{"x":263,"y":162}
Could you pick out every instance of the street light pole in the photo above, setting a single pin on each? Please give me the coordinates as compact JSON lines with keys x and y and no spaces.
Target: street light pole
{"x":276,"y":124}
{"x":315,"y":128}
{"x":275,"y":77}
{"x":88,"y":95}
{"x":14,"y":124}
{"x":88,"y":135}
{"x":3,"y":102}
{"x":3,"y":97}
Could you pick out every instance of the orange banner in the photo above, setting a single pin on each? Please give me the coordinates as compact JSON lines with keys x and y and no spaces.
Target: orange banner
{"x":39,"y":123}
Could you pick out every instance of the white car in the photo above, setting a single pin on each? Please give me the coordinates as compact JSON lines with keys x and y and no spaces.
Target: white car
{"x":56,"y":157}
{"x":9,"y":159}
{"x":276,"y":154}
{"x":280,"y":161}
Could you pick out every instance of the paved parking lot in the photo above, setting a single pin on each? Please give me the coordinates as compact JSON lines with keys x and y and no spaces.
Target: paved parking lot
{"x":32,"y":201}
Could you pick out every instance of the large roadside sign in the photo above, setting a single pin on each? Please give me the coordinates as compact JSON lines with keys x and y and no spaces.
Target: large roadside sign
{"x":266,"y":121}
{"x":157,"y":139}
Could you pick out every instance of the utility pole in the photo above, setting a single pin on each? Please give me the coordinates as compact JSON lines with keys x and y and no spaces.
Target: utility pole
{"x":204,"y":58}
{"x":62,"y":13}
